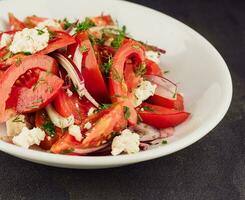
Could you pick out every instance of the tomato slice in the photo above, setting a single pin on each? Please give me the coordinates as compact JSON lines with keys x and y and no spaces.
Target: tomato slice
{"x":32,"y":21}
{"x":41,"y":93}
{"x":161,"y":117}
{"x":61,"y":39}
{"x":119,"y":91}
{"x":103,"y":20}
{"x":51,"y":136}
{"x":16,"y":24}
{"x":73,"y":105}
{"x":91,"y":70}
{"x":152,"y":68}
{"x":177,"y":104}
{"x":12,"y":74}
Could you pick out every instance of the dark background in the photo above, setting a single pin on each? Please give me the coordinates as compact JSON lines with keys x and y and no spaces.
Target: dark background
{"x":211,"y":169}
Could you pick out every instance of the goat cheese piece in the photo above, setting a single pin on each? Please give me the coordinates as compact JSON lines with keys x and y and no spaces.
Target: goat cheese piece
{"x":127,"y":142}
{"x":143,"y":92}
{"x":5,"y":40}
{"x":75,"y":131}
{"x":49,"y":23}
{"x":15,"y":125}
{"x":91,"y":111}
{"x":153,"y":56}
{"x":30,"y":40}
{"x":69,"y":92}
{"x":88,"y":125}
{"x":29,"y":137}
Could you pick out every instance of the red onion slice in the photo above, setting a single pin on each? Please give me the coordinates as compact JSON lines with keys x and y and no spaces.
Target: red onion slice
{"x":165,"y":87}
{"x":90,"y":150}
{"x":166,"y":132}
{"x":75,"y":76}
{"x":146,"y":132}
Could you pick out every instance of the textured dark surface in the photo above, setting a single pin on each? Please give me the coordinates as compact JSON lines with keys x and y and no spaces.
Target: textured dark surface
{"x":211,"y":169}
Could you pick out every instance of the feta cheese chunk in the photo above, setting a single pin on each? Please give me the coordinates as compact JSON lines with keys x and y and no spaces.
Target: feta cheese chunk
{"x":75,"y":131}
{"x":15,"y":125}
{"x":29,"y":40}
{"x":127,"y":142}
{"x":29,"y":137}
{"x":88,"y":125}
{"x":50,"y":23}
{"x":91,"y":111}
{"x":5,"y":40}
{"x":143,"y":92}
{"x":153,"y":56}
{"x":69,"y":92}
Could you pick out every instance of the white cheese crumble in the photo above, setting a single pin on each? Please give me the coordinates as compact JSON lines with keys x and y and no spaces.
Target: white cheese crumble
{"x":75,"y":131}
{"x":88,"y":125}
{"x":127,"y":142}
{"x":30,"y":40}
{"x":49,"y":23}
{"x":143,"y":92}
{"x":29,"y":137}
{"x":69,"y":92}
{"x":15,"y":125}
{"x":91,"y":111}
{"x":5,"y":40}
{"x":153,"y":56}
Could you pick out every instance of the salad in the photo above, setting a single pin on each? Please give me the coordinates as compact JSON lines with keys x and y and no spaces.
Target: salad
{"x":84,"y":87}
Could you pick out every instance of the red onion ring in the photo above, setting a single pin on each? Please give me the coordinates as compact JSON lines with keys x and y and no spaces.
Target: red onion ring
{"x":90,"y":150}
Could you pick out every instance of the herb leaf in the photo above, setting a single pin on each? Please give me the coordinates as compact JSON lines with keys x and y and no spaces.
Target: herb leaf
{"x":83,"y":49}
{"x":85,"y":25}
{"x":18,"y":119}
{"x":27,"y":53}
{"x":126,"y":112}
{"x":164,"y":142}
{"x":147,"y":108}
{"x":40,"y":32}
{"x":67,"y":151}
{"x":49,"y":128}
{"x":102,"y":107}
{"x":140,"y":70}
{"x":116,"y":43}
{"x":67,"y":24}
{"x":107,"y":66}
{"x":116,"y":76}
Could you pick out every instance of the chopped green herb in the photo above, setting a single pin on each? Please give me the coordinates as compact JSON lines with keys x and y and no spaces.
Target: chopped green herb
{"x":7,"y":56}
{"x":116,"y":43}
{"x":95,"y":40}
{"x":137,"y":47}
{"x":116,"y":76}
{"x":147,"y":108}
{"x":120,"y":96}
{"x":40,"y":32}
{"x":18,"y":119}
{"x":140,"y":70}
{"x":49,"y":128}
{"x":67,"y":151}
{"x":18,"y":61}
{"x":166,"y":72}
{"x":67,"y":24}
{"x":74,"y":88}
{"x":102,"y":107}
{"x":83,"y":49}
{"x":27,"y":53}
{"x":175,"y":92}
{"x":40,"y":100}
{"x":126,"y":112}
{"x":107,"y":66}
{"x":51,"y":35}
{"x":164,"y":142}
{"x":85,"y":25}
{"x":40,"y":81}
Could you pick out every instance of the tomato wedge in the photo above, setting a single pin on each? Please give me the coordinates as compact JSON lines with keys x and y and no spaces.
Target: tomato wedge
{"x":41,"y":93}
{"x":100,"y":131}
{"x":73,"y":105}
{"x":61,"y":39}
{"x":32,"y":21}
{"x":52,"y":133}
{"x":161,"y":117}
{"x":94,"y":81}
{"x":103,"y":20}
{"x":12,"y":74}
{"x":16,"y":24}
{"x":152,"y":68}
{"x":119,"y":90}
{"x":177,"y":104}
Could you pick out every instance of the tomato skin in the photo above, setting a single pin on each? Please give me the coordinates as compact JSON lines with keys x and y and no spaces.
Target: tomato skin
{"x":177,"y":104}
{"x":118,"y":88}
{"x":62,"y":39}
{"x":16,"y":23}
{"x":32,"y":21}
{"x":40,"y":95}
{"x":161,"y":117}
{"x":103,"y":20}
{"x":152,"y":68}
{"x":73,"y":105}
{"x":40,"y":119}
{"x":91,"y":70}
{"x":101,"y":131}
{"x":12,"y":74}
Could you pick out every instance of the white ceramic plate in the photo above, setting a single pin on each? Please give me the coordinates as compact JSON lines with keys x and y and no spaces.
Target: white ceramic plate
{"x":193,"y":62}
